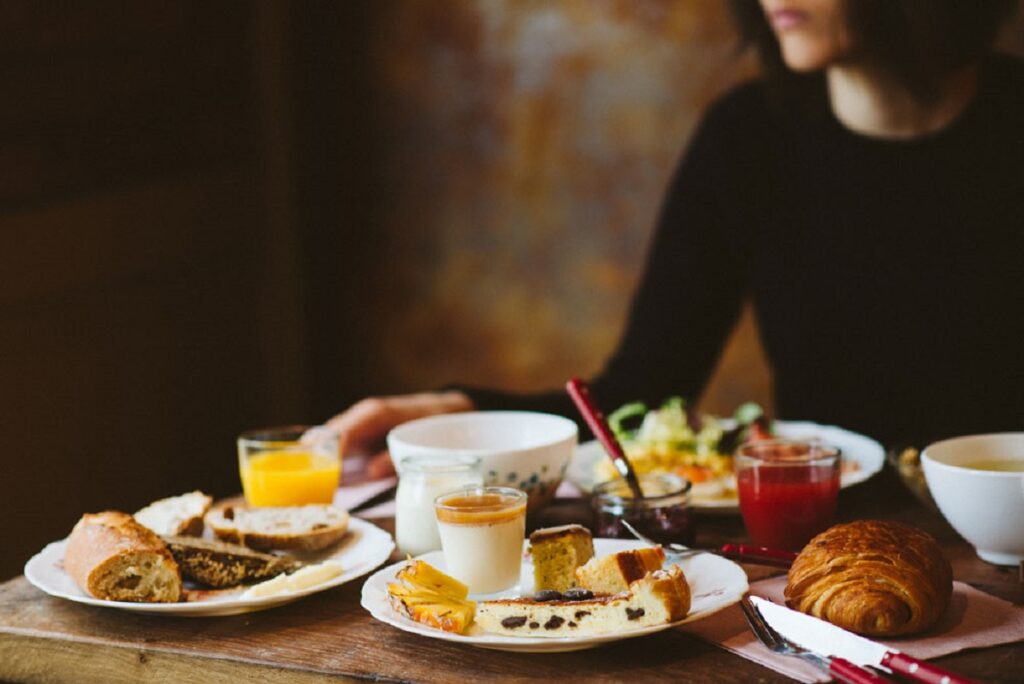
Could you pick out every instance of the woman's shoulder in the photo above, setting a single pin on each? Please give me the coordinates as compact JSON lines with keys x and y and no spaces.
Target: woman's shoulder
{"x":1003,"y":75}
{"x":747,"y":104}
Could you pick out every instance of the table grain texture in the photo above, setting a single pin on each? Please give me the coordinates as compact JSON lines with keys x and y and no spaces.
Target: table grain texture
{"x":329,"y":637}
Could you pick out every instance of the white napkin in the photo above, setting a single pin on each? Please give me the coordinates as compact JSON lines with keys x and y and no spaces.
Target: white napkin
{"x":972,"y":620}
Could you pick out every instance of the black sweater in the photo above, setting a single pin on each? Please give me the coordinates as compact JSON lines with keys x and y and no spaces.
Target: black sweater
{"x":887,"y":276}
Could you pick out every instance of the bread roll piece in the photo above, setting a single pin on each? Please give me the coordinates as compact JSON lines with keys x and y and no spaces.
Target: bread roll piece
{"x":295,"y":528}
{"x":873,"y":577}
{"x":112,"y":557}
{"x":176,"y":515}
{"x":613,"y":573}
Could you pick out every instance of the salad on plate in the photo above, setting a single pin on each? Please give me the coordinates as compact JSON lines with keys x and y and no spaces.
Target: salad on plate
{"x":699,"y":447}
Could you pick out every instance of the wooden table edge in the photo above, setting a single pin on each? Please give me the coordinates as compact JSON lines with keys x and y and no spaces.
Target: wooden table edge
{"x":26,"y":656}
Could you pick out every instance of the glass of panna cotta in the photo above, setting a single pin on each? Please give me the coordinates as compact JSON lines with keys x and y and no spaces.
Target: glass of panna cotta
{"x":482,"y":531}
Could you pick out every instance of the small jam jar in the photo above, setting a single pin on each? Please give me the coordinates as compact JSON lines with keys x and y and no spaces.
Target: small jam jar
{"x":663,"y":514}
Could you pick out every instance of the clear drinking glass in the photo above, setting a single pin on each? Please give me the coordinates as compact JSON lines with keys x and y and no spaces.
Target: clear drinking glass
{"x":482,"y":531}
{"x":422,"y":479}
{"x":280,"y":468}
{"x":788,"y":490}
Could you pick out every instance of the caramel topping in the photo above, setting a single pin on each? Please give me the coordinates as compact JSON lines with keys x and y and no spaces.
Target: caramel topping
{"x":479,"y":509}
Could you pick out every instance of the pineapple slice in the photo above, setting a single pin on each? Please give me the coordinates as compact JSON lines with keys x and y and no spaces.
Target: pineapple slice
{"x":427,"y":595}
{"x":424,"y":575}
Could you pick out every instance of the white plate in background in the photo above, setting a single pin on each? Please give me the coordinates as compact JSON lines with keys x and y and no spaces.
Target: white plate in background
{"x":867,"y":454}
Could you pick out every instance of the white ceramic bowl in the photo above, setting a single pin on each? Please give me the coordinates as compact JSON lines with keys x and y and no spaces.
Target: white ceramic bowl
{"x":986,"y":507}
{"x":528,"y":451}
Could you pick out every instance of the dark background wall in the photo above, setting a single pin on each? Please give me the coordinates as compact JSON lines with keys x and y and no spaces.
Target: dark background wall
{"x":219,"y":216}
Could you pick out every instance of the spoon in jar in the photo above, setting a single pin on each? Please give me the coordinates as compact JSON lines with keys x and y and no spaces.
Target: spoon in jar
{"x":584,"y":400}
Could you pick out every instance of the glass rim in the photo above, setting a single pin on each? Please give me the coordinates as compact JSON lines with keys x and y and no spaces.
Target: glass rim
{"x":273,"y":433}
{"x":439,"y":463}
{"x":817,"y":452}
{"x":681,"y":486}
{"x":516,"y":498}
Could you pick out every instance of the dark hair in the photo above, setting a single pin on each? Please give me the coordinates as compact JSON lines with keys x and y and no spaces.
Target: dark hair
{"x":919,"y":41}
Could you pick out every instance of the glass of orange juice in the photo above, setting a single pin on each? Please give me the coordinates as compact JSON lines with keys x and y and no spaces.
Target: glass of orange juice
{"x":280,"y":468}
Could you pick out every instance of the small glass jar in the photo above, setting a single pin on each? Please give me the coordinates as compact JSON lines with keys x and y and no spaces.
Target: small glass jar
{"x":663,"y":514}
{"x":422,"y":480}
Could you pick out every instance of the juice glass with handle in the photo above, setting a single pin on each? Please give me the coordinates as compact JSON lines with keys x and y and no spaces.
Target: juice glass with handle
{"x":279,"y":467}
{"x":788,"y":490}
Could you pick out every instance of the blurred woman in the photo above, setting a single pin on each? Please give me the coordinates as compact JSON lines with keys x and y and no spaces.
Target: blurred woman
{"x":866,"y":195}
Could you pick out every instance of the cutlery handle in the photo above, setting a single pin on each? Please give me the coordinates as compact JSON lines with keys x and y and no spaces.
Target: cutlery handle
{"x":920,"y":671}
{"x":845,"y":671}
{"x":759,"y":554}
{"x":580,"y":393}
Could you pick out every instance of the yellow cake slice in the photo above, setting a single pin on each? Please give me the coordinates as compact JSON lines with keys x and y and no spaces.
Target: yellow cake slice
{"x":557,"y":552}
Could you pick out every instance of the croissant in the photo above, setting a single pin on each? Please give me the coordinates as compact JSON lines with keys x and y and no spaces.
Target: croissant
{"x":873,"y":577}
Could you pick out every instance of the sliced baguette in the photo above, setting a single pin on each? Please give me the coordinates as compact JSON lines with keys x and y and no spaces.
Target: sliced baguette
{"x":291,"y":528}
{"x":111,"y":556}
{"x":176,"y":515}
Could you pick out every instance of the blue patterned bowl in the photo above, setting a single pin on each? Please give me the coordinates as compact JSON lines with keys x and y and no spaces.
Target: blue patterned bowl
{"x":528,"y":451}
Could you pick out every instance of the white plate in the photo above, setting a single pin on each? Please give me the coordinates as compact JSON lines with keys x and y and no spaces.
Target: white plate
{"x":864,"y":451}
{"x":715,"y":583}
{"x":364,"y":548}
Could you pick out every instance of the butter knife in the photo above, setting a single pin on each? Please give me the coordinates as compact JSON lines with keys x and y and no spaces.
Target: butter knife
{"x":826,"y":639}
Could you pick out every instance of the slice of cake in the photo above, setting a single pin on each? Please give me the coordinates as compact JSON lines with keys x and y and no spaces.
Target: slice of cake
{"x":613,"y":573}
{"x":176,"y":515}
{"x":219,"y":564}
{"x":659,"y":597}
{"x":557,"y":552}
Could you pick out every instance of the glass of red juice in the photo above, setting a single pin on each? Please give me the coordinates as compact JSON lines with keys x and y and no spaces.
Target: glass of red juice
{"x":787,"y":489}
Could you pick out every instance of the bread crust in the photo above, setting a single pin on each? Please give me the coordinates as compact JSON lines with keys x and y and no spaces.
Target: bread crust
{"x":873,"y":577}
{"x":99,"y":541}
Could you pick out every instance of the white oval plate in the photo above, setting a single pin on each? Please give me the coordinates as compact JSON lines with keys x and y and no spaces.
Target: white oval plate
{"x":715,"y":583}
{"x":364,"y":548}
{"x":864,"y":451}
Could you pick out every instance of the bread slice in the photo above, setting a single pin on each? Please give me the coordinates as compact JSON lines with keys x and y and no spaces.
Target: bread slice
{"x":176,"y":515}
{"x":112,"y":557}
{"x":295,"y":528}
{"x":556,"y":553}
{"x":659,"y":597}
{"x":613,"y":573}
{"x":219,"y":564}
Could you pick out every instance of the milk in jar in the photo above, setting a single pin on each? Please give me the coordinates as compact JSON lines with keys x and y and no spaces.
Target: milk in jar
{"x":421,"y":481}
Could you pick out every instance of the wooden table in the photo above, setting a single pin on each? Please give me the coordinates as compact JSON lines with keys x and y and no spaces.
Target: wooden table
{"x":328,"y":636}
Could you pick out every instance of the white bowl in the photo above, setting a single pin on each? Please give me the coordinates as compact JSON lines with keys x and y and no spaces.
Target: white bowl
{"x":528,"y":451}
{"x":985,"y":507}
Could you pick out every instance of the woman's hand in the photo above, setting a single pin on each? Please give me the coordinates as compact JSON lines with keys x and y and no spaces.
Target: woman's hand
{"x":365,"y":425}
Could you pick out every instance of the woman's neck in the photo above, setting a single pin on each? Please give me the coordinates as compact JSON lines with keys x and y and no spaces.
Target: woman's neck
{"x":871,"y":103}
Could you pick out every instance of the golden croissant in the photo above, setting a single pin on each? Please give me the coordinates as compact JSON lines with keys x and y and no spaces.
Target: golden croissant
{"x":873,"y":577}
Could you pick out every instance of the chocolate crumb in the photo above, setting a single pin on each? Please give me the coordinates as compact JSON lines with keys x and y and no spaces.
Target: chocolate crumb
{"x":534,"y":625}
{"x":513,"y":622}
{"x":580,"y":614}
{"x":634,"y":614}
{"x":572,"y":624}
{"x":548,"y":595}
